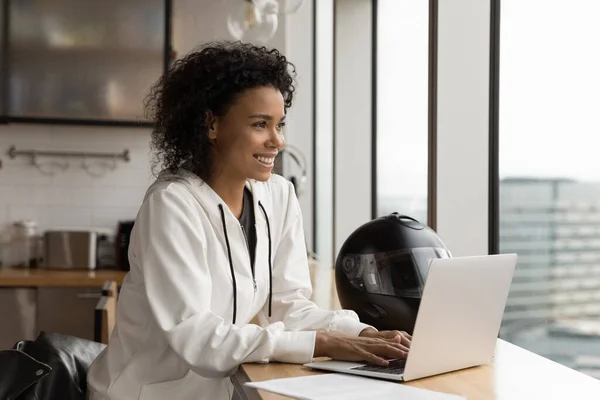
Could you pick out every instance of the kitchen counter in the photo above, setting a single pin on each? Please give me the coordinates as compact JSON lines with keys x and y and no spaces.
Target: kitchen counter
{"x":40,"y":277}
{"x":23,"y":277}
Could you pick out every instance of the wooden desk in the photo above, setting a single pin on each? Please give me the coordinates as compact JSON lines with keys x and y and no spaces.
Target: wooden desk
{"x":516,"y":374}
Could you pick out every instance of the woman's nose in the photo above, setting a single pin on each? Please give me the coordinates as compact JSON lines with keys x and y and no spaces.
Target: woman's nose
{"x":276,"y":139}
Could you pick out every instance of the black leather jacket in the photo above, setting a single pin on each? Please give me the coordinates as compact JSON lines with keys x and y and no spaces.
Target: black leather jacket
{"x":52,"y":367}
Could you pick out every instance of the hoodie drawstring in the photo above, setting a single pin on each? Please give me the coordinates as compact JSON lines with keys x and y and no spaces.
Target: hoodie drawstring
{"x":231,"y":260}
{"x":270,"y":266}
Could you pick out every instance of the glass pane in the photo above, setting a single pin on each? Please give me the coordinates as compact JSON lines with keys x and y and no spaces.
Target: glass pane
{"x":324,"y":131}
{"x":84,"y":58}
{"x":549,"y":177}
{"x":402,"y":109}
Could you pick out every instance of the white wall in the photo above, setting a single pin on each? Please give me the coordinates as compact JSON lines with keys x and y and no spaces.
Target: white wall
{"x":463,"y":125}
{"x":73,"y":198}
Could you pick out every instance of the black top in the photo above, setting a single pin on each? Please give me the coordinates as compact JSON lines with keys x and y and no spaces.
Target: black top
{"x":247,"y":222}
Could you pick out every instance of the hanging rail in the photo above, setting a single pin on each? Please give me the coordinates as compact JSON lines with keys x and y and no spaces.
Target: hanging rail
{"x":13,"y":152}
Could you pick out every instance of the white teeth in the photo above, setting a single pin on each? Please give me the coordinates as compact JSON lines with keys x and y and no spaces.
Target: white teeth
{"x":265,"y":160}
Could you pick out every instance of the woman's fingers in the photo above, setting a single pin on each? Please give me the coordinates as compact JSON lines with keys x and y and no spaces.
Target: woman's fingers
{"x":372,"y":350}
{"x":395,"y":351}
{"x":388,"y":350}
{"x":394,"y":343}
{"x":379,"y":354}
{"x":402,"y":337}
{"x":374,"y":359}
{"x":397,"y":345}
{"x":406,"y":339}
{"x":404,"y":348}
{"x":398,"y":336}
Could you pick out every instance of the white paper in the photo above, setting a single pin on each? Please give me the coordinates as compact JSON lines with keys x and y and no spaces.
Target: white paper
{"x":334,"y":386}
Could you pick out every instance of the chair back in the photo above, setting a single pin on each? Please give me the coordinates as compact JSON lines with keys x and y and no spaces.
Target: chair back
{"x":105,"y":313}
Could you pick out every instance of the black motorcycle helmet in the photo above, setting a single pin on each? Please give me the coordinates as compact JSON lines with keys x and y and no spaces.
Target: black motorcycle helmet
{"x":381,"y":270}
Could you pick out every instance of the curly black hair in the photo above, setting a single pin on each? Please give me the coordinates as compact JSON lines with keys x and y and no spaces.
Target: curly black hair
{"x":208,"y":79}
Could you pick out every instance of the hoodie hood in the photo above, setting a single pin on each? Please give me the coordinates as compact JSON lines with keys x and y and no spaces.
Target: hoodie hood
{"x":210,"y":201}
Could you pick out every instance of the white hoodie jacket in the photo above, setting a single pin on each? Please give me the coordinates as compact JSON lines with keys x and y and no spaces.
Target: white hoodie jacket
{"x":184,"y":310}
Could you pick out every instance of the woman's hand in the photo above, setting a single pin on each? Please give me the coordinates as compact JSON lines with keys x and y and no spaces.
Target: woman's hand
{"x":351,"y":348}
{"x":398,"y":336}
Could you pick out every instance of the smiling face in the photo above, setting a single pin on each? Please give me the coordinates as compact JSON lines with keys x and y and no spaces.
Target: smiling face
{"x":248,"y":137}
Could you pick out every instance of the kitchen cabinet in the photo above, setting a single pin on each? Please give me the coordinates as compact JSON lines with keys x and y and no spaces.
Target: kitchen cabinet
{"x":67,"y":310}
{"x":18,"y":314}
{"x":2,"y":59}
{"x":61,"y":301}
{"x":83,"y":61}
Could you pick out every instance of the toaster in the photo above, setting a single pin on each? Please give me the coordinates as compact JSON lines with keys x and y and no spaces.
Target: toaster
{"x":66,"y":249}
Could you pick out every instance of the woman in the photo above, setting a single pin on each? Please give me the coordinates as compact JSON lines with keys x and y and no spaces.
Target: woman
{"x":219,"y":240}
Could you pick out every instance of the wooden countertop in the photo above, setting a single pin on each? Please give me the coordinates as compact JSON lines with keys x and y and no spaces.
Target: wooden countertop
{"x":514,"y":375}
{"x":23,"y":277}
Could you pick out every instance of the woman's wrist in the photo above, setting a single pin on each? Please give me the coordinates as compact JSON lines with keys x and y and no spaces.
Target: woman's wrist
{"x":367,"y":332}
{"x":320,"y":344}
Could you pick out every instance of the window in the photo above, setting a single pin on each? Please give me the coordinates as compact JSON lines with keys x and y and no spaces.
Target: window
{"x":401,"y":161}
{"x":549,"y":179}
{"x":323,"y":98}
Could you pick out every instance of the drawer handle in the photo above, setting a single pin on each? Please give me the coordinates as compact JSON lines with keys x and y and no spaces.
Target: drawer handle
{"x":89,"y":295}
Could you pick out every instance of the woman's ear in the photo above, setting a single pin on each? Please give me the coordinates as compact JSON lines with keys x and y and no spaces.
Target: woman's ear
{"x":211,"y":123}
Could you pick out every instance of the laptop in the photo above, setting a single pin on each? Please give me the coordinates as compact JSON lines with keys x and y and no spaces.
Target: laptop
{"x":457,"y":323}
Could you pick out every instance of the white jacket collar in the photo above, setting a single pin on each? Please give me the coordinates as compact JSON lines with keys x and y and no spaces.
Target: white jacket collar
{"x":210,"y":200}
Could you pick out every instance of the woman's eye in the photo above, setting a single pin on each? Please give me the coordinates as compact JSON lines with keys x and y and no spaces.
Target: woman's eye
{"x":261,"y":124}
{"x":280,"y":126}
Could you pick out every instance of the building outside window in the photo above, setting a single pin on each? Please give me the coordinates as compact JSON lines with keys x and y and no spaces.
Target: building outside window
{"x":550,"y":177}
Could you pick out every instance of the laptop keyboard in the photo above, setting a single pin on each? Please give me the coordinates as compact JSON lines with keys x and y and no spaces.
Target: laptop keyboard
{"x":395,"y":367}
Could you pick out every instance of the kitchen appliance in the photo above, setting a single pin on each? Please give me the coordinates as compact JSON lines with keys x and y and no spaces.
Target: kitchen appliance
{"x":70,"y":249}
{"x":20,"y":245}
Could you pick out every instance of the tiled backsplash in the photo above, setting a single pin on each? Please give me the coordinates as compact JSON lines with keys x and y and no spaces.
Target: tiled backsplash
{"x":73,"y":198}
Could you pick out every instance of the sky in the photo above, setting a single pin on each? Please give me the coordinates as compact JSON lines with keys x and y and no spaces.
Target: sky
{"x":550,"y":88}
{"x":549,"y":92}
{"x":402,"y":73}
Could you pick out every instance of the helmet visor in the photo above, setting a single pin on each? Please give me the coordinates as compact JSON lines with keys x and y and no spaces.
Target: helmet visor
{"x":394,"y":273}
